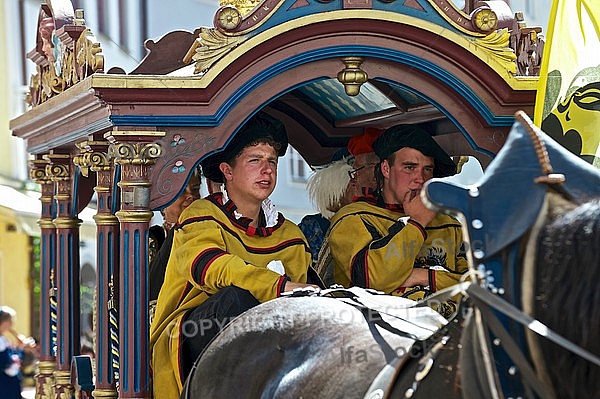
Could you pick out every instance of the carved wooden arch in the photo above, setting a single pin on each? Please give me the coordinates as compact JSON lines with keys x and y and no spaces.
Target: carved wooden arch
{"x":261,"y":76}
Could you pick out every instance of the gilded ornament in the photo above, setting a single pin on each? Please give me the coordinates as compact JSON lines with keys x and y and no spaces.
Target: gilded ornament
{"x":38,"y":172}
{"x":62,"y":62}
{"x":89,"y":58}
{"x":135,"y":154}
{"x":229,"y":17}
{"x":485,"y":19}
{"x":352,"y":77}
{"x":497,"y":45}
{"x":99,"y":161}
{"x":210,"y":46}
{"x":244,"y":6}
{"x":57,"y":172}
{"x":82,"y":161}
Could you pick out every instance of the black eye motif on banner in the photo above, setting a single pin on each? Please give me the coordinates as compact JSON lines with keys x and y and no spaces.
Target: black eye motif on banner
{"x":575,"y":122}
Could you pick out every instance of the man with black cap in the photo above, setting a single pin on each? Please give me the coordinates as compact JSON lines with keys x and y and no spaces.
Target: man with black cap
{"x":388,"y":240}
{"x":231,"y":251}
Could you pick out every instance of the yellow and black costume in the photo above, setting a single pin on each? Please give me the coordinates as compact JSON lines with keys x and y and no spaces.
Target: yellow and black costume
{"x":215,"y":249}
{"x":374,"y":245}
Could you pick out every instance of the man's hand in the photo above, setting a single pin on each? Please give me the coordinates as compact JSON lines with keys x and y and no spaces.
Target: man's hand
{"x":290,"y":286}
{"x":414,"y":207}
{"x":418,"y":276}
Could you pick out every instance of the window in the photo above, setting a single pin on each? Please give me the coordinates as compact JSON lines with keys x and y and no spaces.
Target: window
{"x":299,"y":169}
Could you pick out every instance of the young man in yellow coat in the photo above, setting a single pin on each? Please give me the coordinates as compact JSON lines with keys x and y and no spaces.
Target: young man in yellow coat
{"x":388,"y":240}
{"x":231,"y":251}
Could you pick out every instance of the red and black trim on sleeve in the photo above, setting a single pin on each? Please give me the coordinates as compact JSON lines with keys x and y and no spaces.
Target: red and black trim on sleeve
{"x":359,"y":268}
{"x":281,"y":284}
{"x":431,"y":279}
{"x":203,"y":261}
{"x":418,"y":226}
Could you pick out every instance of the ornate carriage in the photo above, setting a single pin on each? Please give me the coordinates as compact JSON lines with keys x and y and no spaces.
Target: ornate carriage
{"x":326,"y":69}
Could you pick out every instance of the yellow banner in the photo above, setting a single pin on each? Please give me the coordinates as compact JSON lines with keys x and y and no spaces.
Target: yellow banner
{"x":568,"y":96}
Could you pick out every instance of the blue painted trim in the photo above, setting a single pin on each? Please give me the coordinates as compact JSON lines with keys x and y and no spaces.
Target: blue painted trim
{"x":311,"y":56}
{"x":123,"y":345}
{"x":53,"y":323}
{"x":102,"y":308}
{"x":137,"y":353}
{"x":45,"y":319}
{"x":111,"y":272}
{"x":61,"y":304}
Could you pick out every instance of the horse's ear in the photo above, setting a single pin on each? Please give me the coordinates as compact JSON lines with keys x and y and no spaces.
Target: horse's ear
{"x":505,"y":202}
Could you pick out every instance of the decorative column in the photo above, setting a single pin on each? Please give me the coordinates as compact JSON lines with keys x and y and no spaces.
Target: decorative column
{"x":61,"y":171}
{"x":95,"y":157}
{"x":44,"y":380}
{"x":134,"y":151}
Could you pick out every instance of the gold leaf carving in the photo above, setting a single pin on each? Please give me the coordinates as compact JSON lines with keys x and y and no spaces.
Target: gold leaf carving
{"x":57,"y":172}
{"x":497,"y":45}
{"x":75,"y":61}
{"x":245,"y":6}
{"x":212,"y":45}
{"x":135,"y":154}
{"x":89,"y":58}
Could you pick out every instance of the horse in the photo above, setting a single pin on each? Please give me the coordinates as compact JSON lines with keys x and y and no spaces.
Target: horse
{"x":522,"y":328}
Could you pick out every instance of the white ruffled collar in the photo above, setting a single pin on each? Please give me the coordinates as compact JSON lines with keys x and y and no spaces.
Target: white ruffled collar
{"x":267,"y":206}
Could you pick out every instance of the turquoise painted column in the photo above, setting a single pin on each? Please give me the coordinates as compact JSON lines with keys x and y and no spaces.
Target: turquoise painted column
{"x":62,"y":171}
{"x":134,"y":152}
{"x":44,"y":380}
{"x":94,"y":157}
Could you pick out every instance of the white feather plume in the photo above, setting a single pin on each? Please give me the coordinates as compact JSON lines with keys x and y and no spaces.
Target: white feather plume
{"x":327,"y":185}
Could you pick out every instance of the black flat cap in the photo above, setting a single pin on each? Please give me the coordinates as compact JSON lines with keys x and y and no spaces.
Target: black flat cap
{"x":413,"y":136}
{"x":258,"y":128}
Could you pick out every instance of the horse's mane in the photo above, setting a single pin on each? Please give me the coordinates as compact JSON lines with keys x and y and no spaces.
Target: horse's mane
{"x":567,"y":297}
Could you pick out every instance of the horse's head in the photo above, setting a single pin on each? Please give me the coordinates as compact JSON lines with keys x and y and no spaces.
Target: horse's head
{"x":527,"y":183}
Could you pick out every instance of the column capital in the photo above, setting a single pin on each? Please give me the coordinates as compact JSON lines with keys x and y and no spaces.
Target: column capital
{"x":37,"y":171}
{"x":135,"y":153}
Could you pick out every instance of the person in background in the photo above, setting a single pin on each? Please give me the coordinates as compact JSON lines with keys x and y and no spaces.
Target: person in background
{"x":231,"y":251}
{"x":171,"y":213}
{"x":328,"y":190}
{"x":11,"y":354}
{"x":388,"y":240}
{"x":361,"y":177}
{"x":364,"y":161}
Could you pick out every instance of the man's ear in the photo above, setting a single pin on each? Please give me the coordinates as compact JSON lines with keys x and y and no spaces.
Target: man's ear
{"x":188,"y":198}
{"x":385,"y":168}
{"x":226,"y":169}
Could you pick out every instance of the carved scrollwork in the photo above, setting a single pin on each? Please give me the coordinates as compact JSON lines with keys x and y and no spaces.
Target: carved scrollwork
{"x":245,"y":6}
{"x":99,"y":161}
{"x":38,"y":173}
{"x":57,"y":172}
{"x":89,"y":58}
{"x":135,"y":154}
{"x":82,"y":161}
{"x":64,"y":56}
{"x":211,"y":45}
{"x":497,"y":44}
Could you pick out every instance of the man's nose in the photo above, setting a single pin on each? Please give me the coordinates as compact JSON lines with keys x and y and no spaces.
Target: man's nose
{"x":268,"y":167}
